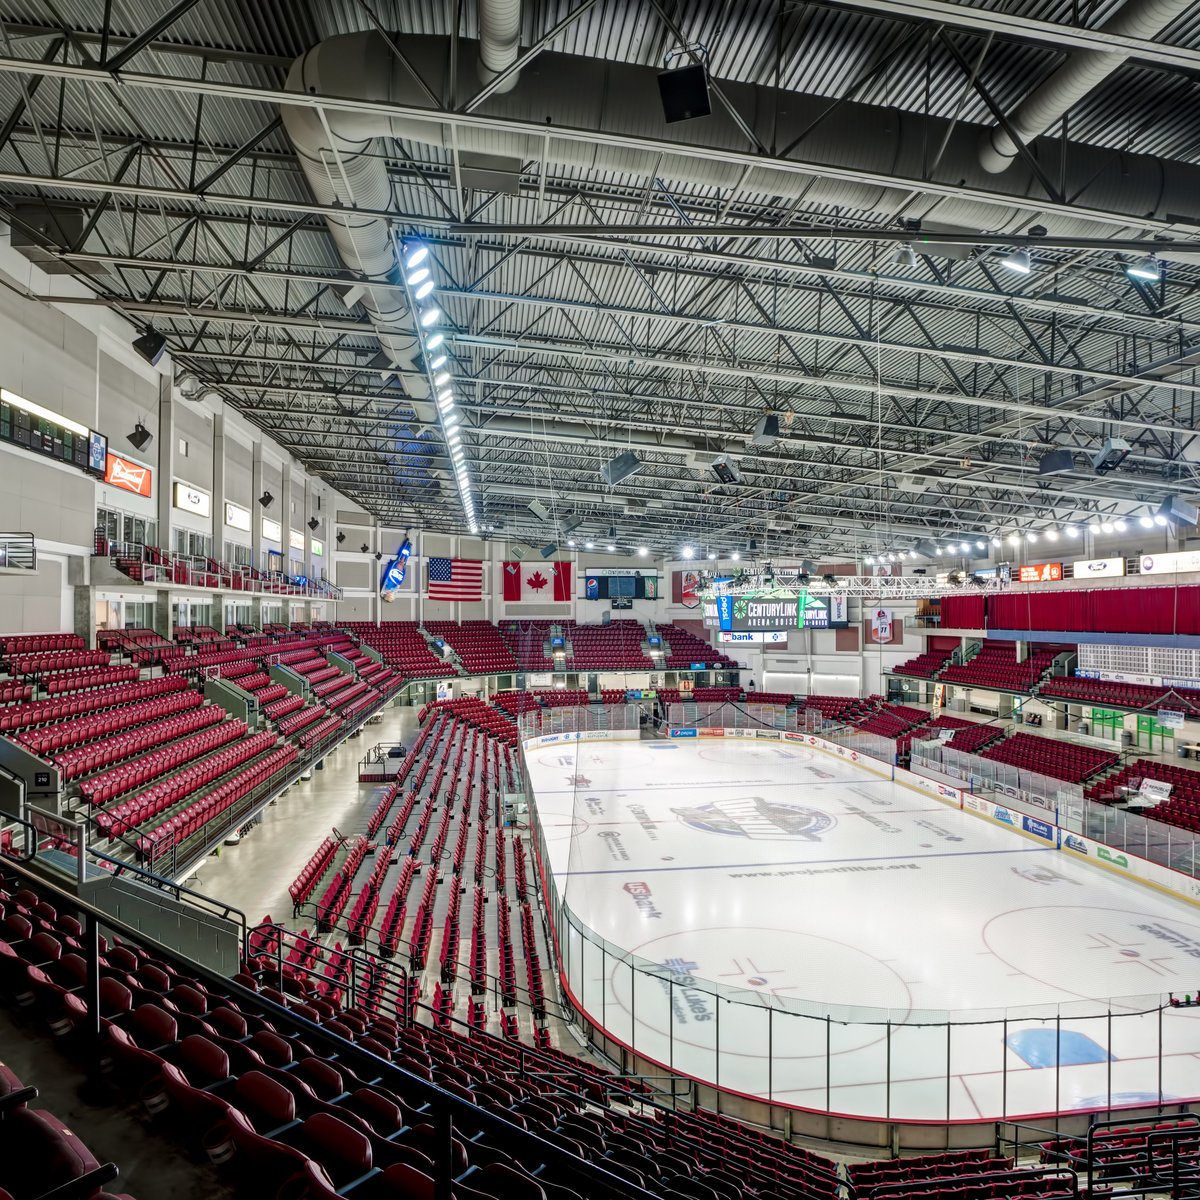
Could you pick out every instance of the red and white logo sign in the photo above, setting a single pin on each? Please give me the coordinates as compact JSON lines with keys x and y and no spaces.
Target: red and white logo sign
{"x":1040,"y":573}
{"x":130,"y":476}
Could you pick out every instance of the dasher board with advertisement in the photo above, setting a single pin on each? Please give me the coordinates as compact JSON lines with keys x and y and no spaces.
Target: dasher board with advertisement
{"x":766,"y":611}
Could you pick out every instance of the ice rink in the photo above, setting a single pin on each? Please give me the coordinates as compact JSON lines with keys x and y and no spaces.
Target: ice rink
{"x":801,"y":887}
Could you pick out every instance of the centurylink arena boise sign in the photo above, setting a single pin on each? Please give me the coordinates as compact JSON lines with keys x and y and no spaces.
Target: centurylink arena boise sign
{"x":775,"y":610}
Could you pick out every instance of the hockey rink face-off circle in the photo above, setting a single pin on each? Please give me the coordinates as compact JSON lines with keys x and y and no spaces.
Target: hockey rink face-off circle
{"x":808,"y":932}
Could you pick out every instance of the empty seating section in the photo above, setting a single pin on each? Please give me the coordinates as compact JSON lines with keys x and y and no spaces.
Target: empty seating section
{"x":1121,"y":695}
{"x":613,"y":647}
{"x":892,"y":720}
{"x":1059,"y":760}
{"x":402,"y":646}
{"x":34,"y":643}
{"x":995,"y":667}
{"x":479,"y":645}
{"x":684,"y":648}
{"x":1181,"y":808}
{"x":973,"y":737}
{"x":958,"y":1175}
{"x":237,"y":1074}
{"x":924,"y":666}
{"x":38,"y":712}
{"x":528,"y":642}
{"x":148,"y":761}
{"x":1147,"y":1155}
{"x":839,"y":708}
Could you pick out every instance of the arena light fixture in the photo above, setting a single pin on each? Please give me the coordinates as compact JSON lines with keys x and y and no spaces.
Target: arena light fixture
{"x":869,"y":560}
{"x":997,"y":542}
{"x":1160,"y":518}
{"x":571,"y":543}
{"x":1018,"y":260}
{"x":1072,"y":531}
{"x":610,"y":548}
{"x":1146,"y":521}
{"x":687,"y":552}
{"x":642,"y":552}
{"x":1120,"y":526}
{"x":1148,"y":268}
{"x":441,"y":379}
{"x":980,"y":544}
{"x":439,"y":360}
{"x":905,"y":255}
{"x":1106,"y":527}
{"x":430,"y":316}
{"x":735,"y":556}
{"x":417,"y":277}
{"x":423,"y":289}
{"x":1052,"y":535}
{"x":1014,"y":539}
{"x":415,"y":253}
{"x":711,"y":556}
{"x":589,"y":545}
{"x":434,"y":340}
{"x":1031,"y":537}
{"x":1093,"y":527}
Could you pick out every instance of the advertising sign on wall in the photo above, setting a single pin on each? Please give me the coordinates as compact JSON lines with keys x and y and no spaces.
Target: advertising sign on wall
{"x":191,"y":499}
{"x":1040,"y":573}
{"x":237,"y":517}
{"x":1098,"y":568}
{"x":1168,"y":564}
{"x":768,"y":637}
{"x":131,"y":476}
{"x":271,"y":530}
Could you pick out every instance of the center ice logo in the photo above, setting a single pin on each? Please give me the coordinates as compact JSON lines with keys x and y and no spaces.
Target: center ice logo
{"x":754,"y":817}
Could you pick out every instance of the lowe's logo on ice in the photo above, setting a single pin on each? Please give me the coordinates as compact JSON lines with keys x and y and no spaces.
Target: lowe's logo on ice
{"x":1002,"y":814}
{"x":1038,"y":828}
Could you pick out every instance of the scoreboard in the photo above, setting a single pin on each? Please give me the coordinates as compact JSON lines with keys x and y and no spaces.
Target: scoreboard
{"x":28,"y":425}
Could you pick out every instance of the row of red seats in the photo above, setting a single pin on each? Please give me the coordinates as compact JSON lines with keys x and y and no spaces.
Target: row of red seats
{"x":37,"y":712}
{"x":31,"y":643}
{"x":86,"y":677}
{"x":923,"y":666}
{"x":47,"y":738}
{"x":1045,"y":756}
{"x":685,"y":648}
{"x":478,"y":644}
{"x":83,"y":760}
{"x":125,"y":816}
{"x":160,"y":840}
{"x":1121,"y":695}
{"x":55,"y":660}
{"x":213,"y":734}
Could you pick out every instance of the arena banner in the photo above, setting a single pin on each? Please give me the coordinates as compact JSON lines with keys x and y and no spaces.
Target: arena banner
{"x":682,"y":733}
{"x":685,"y":588}
{"x":1098,"y":568}
{"x":1169,"y":564}
{"x":935,"y":787}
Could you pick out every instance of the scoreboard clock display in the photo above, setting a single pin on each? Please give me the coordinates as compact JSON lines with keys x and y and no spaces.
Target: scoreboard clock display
{"x":28,"y":425}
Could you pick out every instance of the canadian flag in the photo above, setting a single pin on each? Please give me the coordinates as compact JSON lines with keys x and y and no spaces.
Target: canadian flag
{"x":537,"y":582}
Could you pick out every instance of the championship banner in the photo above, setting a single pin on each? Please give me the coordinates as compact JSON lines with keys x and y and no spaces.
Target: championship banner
{"x":685,"y":588}
{"x":881,"y":624}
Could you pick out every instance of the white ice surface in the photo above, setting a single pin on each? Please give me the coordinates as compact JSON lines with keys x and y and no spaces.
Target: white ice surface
{"x":797,"y":883}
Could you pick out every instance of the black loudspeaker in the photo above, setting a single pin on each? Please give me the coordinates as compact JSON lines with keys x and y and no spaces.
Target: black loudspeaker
{"x":684,"y":93}
{"x":1055,"y":462}
{"x":140,"y":436}
{"x":150,"y":346}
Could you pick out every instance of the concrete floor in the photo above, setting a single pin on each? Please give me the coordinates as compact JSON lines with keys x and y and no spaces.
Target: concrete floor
{"x":255,"y":874}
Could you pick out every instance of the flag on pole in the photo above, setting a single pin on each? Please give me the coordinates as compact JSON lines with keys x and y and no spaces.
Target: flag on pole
{"x":537,"y":582}
{"x":455,"y":579}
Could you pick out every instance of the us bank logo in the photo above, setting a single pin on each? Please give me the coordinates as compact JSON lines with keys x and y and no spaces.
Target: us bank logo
{"x":755,"y":818}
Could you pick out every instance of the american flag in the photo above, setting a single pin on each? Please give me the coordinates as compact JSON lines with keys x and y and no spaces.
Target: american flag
{"x":455,"y":579}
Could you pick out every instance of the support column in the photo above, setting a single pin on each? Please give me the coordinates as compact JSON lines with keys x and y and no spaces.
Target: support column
{"x":256,"y":490}
{"x":376,"y":604}
{"x":218,"y":489}
{"x":84,"y":603}
{"x":218,"y":611}
{"x":165,"y":460}
{"x":162,"y":614}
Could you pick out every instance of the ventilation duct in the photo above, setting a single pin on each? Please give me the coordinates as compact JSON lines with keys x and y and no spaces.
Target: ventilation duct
{"x":499,"y":40}
{"x":617,"y":126}
{"x":1082,"y":72}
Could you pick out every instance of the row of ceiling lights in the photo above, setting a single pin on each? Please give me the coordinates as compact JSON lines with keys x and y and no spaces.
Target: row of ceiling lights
{"x":1148,"y":269}
{"x":418,"y":275}
{"x":611,"y":547}
{"x":1119,"y":525}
